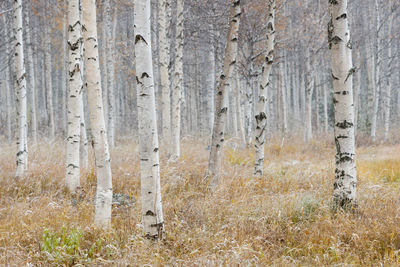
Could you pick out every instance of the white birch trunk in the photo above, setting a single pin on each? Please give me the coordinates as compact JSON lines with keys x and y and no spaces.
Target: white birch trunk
{"x":32,"y":84}
{"x":326,"y":122}
{"x":282,"y":70}
{"x":388,"y":88}
{"x":177,"y":83}
{"x":308,"y":99}
{"x":164,"y":22}
{"x":215,"y":159}
{"x":377,"y":75}
{"x":84,"y":149}
{"x":342,"y":73}
{"x":103,"y":199}
{"x":238,"y":98}
{"x":261,"y":116}
{"x":152,"y":215}
{"x":20,"y":90}
{"x":75,"y":85}
{"x":49,"y":83}
{"x":109,"y":45}
{"x":7,"y":83}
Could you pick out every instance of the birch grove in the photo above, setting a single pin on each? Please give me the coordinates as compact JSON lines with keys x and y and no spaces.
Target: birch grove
{"x":197,"y":115}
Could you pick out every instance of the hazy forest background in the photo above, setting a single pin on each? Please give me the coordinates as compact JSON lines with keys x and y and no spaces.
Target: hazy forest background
{"x":199,"y":132}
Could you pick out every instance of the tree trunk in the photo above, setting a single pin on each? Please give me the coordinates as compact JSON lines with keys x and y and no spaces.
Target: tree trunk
{"x":20,"y":90}
{"x":103,"y":199}
{"x":178,"y":83}
{"x":152,"y":215}
{"x":377,"y":75}
{"x":164,"y":22}
{"x":342,"y":73}
{"x":109,"y":46}
{"x":309,"y":93}
{"x":49,"y":83}
{"x":261,"y":116}
{"x":7,"y":84}
{"x":32,"y":83}
{"x":75,"y":85}
{"x":215,"y":159}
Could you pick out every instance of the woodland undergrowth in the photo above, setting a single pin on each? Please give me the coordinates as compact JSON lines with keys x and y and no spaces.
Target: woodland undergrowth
{"x":281,"y":219}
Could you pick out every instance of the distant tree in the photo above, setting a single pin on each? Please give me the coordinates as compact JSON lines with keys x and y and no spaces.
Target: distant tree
{"x":177,"y":90}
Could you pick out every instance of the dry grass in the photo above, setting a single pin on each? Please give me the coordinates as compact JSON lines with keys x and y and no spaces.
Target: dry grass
{"x":282,"y":219}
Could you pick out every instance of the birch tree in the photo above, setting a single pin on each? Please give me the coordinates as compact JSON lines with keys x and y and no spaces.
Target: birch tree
{"x":261,"y":116}
{"x":164,"y":22}
{"x":152,"y":215}
{"x":103,"y":199}
{"x":215,"y":159}
{"x":342,"y":74}
{"x":75,"y":85}
{"x":177,"y":83}
{"x":20,"y":90}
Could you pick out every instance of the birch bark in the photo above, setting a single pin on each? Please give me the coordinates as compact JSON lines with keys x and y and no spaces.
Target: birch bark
{"x":103,"y":199}
{"x":75,"y":85}
{"x":215,"y":159}
{"x":261,"y":116}
{"x":152,"y":216}
{"x":177,"y":83}
{"x":344,"y":194}
{"x":164,"y":22}
{"x":20,"y":90}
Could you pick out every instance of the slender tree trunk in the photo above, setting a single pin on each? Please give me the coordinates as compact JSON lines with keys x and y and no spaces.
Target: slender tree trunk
{"x":326,"y":118}
{"x":211,"y":80}
{"x":109,"y":47}
{"x":178,"y":83}
{"x":20,"y":90}
{"x":75,"y":85}
{"x":215,"y":159}
{"x":103,"y":199}
{"x":32,"y":83}
{"x":377,"y":75}
{"x":342,"y":73}
{"x":357,"y":88}
{"x":388,"y":88}
{"x":84,"y":149}
{"x":49,"y":83}
{"x":309,"y":93}
{"x":238,"y":97}
{"x":7,"y":83}
{"x":64,"y":93}
{"x":284,"y":98}
{"x":164,"y":22}
{"x":261,"y":116}
{"x":152,"y":215}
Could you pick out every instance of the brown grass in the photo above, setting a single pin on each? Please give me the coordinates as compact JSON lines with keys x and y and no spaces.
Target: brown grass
{"x":281,"y":219}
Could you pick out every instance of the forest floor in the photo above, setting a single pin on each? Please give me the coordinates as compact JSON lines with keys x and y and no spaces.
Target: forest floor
{"x":281,"y":219}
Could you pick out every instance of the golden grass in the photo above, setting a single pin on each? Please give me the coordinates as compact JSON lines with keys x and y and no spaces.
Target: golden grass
{"x":281,"y":219}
